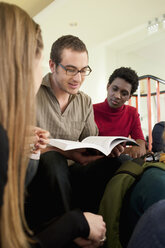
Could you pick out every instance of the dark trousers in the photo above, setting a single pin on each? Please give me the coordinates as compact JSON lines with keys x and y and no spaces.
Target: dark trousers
{"x":57,"y":188}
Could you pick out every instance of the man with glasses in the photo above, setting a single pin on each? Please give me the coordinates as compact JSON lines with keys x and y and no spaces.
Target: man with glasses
{"x":67,"y":113}
{"x":59,"y":94}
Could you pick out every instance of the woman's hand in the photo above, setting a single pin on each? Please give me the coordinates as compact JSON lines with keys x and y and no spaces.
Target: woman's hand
{"x":97,"y":232}
{"x":39,"y":139}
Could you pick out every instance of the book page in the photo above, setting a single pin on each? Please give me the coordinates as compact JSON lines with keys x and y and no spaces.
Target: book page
{"x":102,"y":141}
{"x":108,"y":142}
{"x":70,"y":145}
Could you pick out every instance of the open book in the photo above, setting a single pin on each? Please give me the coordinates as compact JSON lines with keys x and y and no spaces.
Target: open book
{"x":104,"y":144}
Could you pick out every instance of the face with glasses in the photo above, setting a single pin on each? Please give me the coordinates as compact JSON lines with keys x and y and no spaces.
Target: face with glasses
{"x":69,"y":74}
{"x":119,"y":91}
{"x":72,"y":70}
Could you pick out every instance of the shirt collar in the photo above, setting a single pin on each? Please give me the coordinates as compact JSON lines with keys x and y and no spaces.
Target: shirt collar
{"x":46,"y":80}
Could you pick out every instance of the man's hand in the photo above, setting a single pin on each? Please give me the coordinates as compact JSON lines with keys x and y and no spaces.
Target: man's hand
{"x":77,"y":155}
{"x":117,"y":150}
{"x":136,"y":151}
{"x":81,"y":156}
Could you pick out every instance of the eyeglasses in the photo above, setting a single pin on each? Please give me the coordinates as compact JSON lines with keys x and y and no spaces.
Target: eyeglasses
{"x":72,"y":71}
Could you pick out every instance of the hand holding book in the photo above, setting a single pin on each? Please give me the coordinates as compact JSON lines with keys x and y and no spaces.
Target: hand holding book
{"x":104,"y":144}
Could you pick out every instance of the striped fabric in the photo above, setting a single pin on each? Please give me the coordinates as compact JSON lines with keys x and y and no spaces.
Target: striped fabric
{"x":75,"y":123}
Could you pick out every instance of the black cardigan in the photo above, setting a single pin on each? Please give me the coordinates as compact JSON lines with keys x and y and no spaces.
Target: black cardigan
{"x":59,"y":232}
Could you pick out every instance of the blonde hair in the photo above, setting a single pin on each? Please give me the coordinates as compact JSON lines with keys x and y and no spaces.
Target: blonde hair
{"x":20,"y":43}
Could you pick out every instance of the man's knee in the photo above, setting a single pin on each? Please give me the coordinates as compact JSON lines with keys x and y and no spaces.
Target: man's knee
{"x":53,"y":163}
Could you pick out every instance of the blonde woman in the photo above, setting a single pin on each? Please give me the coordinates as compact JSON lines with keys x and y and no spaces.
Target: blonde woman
{"x":20,"y":76}
{"x":21,"y":48}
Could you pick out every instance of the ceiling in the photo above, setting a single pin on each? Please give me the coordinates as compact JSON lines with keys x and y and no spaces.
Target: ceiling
{"x":121,"y":24}
{"x":105,"y":21}
{"x":94,"y":20}
{"x":33,"y":7}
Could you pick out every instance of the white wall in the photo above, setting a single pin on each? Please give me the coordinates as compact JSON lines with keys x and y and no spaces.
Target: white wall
{"x":95,"y":84}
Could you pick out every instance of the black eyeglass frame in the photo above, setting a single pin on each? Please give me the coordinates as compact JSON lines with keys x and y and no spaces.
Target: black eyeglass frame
{"x":77,"y":71}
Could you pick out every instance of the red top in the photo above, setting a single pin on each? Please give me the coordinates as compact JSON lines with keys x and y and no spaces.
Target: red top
{"x":123,"y":121}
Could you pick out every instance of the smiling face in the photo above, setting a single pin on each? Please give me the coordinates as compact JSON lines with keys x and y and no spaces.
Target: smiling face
{"x":62,"y":81}
{"x":119,"y":91}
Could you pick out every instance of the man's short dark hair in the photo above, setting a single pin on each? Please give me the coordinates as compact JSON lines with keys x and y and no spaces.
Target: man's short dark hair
{"x":69,"y":42}
{"x":128,"y":75}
